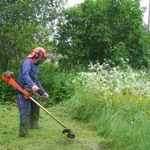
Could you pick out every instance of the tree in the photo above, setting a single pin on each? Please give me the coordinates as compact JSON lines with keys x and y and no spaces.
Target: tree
{"x":98,"y":30}
{"x":24,"y":25}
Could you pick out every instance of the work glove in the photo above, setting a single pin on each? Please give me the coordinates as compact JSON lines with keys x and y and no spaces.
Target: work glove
{"x":45,"y":95}
{"x":35,"y":88}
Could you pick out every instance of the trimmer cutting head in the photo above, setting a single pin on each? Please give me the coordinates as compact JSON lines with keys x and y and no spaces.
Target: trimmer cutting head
{"x":70,"y":133}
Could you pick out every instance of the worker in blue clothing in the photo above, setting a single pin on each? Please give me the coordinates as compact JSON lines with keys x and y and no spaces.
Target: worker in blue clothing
{"x":28,"y":78}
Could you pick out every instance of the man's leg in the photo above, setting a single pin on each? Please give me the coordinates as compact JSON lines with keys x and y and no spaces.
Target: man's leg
{"x":34,"y":116}
{"x":24,"y":106}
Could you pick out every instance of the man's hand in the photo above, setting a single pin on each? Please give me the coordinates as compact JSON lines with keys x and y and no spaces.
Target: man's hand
{"x":35,"y":88}
{"x":45,"y":95}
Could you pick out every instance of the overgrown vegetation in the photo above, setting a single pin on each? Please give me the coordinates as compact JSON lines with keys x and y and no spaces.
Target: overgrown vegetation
{"x":116,"y":102}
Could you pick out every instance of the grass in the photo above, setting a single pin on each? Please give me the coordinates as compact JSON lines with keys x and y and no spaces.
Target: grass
{"x":49,"y":136}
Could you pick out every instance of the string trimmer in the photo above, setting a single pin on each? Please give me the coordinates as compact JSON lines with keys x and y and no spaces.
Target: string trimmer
{"x":8,"y":77}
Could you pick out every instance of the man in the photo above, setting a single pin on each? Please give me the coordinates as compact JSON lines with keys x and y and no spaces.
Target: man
{"x":28,"y":78}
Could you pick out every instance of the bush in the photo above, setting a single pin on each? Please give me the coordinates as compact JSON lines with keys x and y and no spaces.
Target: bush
{"x":57,"y":84}
{"x":7,"y":93}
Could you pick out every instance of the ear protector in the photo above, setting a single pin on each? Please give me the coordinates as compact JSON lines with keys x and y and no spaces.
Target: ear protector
{"x":37,"y":55}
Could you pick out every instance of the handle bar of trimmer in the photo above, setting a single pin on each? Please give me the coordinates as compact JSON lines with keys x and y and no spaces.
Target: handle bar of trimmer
{"x":47,"y":111}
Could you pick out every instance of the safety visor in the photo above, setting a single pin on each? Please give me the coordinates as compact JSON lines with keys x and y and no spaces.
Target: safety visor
{"x":33,"y":53}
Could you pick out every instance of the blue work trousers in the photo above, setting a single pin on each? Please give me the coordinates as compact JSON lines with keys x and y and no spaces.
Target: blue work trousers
{"x":29,"y":114}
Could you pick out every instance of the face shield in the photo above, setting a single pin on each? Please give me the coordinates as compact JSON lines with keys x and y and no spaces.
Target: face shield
{"x":41,"y":59}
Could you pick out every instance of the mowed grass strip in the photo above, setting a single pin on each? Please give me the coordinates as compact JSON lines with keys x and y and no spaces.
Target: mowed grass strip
{"x":49,"y":136}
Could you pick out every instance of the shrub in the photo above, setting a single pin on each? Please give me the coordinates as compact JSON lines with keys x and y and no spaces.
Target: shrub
{"x":57,"y":84}
{"x":7,"y":93}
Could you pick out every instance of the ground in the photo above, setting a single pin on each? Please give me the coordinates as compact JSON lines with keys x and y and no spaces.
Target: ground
{"x":49,"y":136}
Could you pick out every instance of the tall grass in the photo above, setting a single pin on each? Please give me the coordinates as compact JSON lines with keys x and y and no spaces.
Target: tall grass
{"x":116,"y":102}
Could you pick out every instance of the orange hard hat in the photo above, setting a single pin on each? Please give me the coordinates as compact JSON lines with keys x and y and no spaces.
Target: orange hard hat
{"x":38,"y":50}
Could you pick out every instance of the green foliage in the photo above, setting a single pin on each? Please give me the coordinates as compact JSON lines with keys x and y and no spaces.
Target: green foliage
{"x":65,"y":65}
{"x":140,"y":52}
{"x":99,"y":30}
{"x":57,"y":84}
{"x":7,"y":93}
{"x":118,"y":52}
{"x":24,"y":27}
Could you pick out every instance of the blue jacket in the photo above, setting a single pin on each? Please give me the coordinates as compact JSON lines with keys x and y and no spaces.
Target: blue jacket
{"x":28,"y":75}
